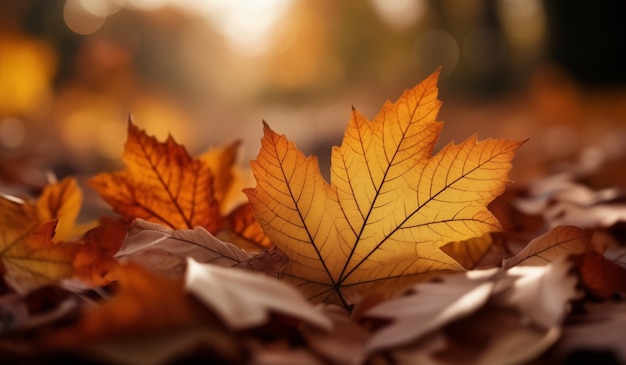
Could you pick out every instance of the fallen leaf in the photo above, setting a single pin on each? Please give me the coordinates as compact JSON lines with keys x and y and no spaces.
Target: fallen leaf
{"x":471,"y":252}
{"x":245,"y":231}
{"x":390,"y":206}
{"x":344,"y":344}
{"x":145,"y":303}
{"x":94,"y":257}
{"x":496,"y":335}
{"x":600,"y":276}
{"x":243,"y":299}
{"x":477,"y":317}
{"x":62,"y":201}
{"x":540,"y":293}
{"x":431,"y":306}
{"x":166,"y":251}
{"x":31,"y":259}
{"x":162,"y":184}
{"x":221,"y":162}
{"x":562,"y":201}
{"x":560,"y":241}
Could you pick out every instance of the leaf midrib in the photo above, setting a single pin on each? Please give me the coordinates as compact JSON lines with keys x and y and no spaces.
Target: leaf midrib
{"x":165,"y":186}
{"x":334,"y":284}
{"x":343,"y":276}
{"x":411,"y":215}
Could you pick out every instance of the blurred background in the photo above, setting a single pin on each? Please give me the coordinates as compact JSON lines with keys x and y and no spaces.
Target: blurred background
{"x":209,"y":71}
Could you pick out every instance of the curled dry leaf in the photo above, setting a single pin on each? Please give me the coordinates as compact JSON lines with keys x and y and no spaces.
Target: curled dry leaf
{"x":166,"y":250}
{"x":540,"y":293}
{"x":562,"y":201}
{"x":599,"y":275}
{"x":390,"y":205}
{"x":430,"y":306}
{"x":561,"y":241}
{"x":243,"y":299}
{"x":478,"y":317}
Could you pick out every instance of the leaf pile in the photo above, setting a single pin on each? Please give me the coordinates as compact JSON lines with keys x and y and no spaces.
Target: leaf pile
{"x":406,"y":256}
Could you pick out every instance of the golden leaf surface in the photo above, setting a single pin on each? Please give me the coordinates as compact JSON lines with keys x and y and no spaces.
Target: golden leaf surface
{"x":162,"y":184}
{"x":470,"y":252}
{"x":33,"y":260}
{"x":29,"y":255}
{"x":390,"y":205}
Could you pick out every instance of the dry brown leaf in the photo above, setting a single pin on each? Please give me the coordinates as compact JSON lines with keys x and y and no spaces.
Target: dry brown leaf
{"x":244,"y":299}
{"x":429,"y":307}
{"x":562,"y":201}
{"x":559,"y":242}
{"x":166,"y":251}
{"x":478,"y":317}
{"x":344,"y":344}
{"x":600,"y":276}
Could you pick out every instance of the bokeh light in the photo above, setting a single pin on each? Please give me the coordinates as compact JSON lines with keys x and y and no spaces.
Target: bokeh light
{"x":209,"y":71}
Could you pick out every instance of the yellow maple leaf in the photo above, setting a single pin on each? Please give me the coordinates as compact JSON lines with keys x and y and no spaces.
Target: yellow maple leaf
{"x":162,"y":184}
{"x":29,"y":255}
{"x":221,"y":162}
{"x":62,"y":200}
{"x":390,"y":205}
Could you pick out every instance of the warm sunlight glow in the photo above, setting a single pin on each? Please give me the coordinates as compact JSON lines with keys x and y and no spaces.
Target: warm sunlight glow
{"x":82,"y":19}
{"x":400,"y":14}
{"x":246,"y":24}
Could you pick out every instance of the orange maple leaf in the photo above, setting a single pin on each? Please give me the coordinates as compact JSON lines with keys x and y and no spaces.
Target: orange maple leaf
{"x":390,"y":206}
{"x":162,"y":184}
{"x":94,"y":257}
{"x":245,"y":231}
